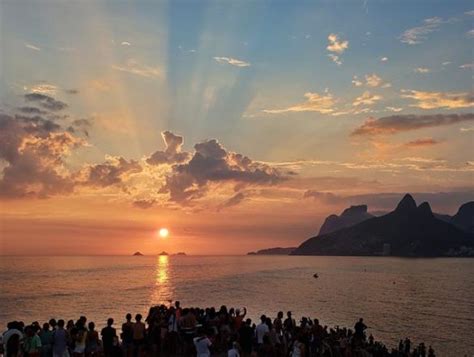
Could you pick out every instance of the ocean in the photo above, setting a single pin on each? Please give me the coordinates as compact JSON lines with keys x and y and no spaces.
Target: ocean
{"x":430,"y":300}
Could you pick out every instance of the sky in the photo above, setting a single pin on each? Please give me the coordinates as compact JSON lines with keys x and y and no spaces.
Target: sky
{"x":236,"y":125}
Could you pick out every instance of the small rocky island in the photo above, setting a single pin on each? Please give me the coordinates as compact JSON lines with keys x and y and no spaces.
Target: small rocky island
{"x":163,"y":253}
{"x":137,"y":254}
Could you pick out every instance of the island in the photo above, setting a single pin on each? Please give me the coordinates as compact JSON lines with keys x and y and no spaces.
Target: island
{"x":163,"y":253}
{"x":179,"y":254}
{"x":137,"y":254}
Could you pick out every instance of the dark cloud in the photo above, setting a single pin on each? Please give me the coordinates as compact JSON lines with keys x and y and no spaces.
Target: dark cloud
{"x":111,"y":172}
{"x":34,"y":150}
{"x":398,"y":123}
{"x":172,"y":153}
{"x":233,"y":201}
{"x":31,"y":110}
{"x":144,"y":204}
{"x":81,"y":126}
{"x":212,"y":163}
{"x":46,"y":101}
{"x":71,"y":91}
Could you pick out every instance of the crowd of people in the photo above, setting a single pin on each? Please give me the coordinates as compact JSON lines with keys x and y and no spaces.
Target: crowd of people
{"x":177,"y":331}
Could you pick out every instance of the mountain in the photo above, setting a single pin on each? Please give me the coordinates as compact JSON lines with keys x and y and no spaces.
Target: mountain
{"x":350,"y":216}
{"x":407,"y":231}
{"x":137,"y":254}
{"x":464,"y":219}
{"x":273,"y":251}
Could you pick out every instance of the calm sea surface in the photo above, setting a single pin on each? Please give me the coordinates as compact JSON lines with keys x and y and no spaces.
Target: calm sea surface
{"x":429,"y":300}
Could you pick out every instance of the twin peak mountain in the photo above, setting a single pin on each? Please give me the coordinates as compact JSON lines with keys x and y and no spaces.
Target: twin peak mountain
{"x":409,"y":230}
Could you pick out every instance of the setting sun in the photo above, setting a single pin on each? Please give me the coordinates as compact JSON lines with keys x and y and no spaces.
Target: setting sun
{"x":163,"y":233}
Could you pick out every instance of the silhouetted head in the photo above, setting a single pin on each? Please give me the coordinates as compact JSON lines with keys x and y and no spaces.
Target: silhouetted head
{"x":110,"y":321}
{"x":61,"y":323}
{"x":91,"y":326}
{"x":138,"y":317}
{"x":128,"y":317}
{"x":177,"y":304}
{"x":263,"y":318}
{"x":46,"y":326}
{"x":280,"y":314}
{"x":361,"y":320}
{"x":248,"y":321}
{"x":288,"y":314}
{"x":52,"y":323}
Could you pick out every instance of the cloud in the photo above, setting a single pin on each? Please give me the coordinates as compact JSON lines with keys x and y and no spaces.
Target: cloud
{"x":336,"y":45}
{"x":31,"y":110}
{"x":417,"y":35}
{"x":72,"y":91}
{"x":45,"y":101}
{"x":172,"y":153}
{"x":384,"y":59}
{"x":326,"y":197}
{"x":132,"y":66}
{"x":336,"y":59}
{"x":471,"y":128}
{"x":357,"y":82}
{"x":42,"y":88}
{"x":32,"y":47}
{"x":126,"y":43}
{"x":399,"y":123}
{"x":366,"y":99}
{"x":435,"y":100}
{"x":232,"y":61}
{"x":322,"y":103}
{"x":467,"y":66}
{"x":421,"y":143}
{"x":144,"y":204}
{"x":373,"y":80}
{"x":470,"y":33}
{"x":33,"y":150}
{"x":394,"y":109}
{"x":80,"y":125}
{"x":109,"y":173}
{"x":210,"y":164}
{"x":422,"y":70}
{"x":233,"y":201}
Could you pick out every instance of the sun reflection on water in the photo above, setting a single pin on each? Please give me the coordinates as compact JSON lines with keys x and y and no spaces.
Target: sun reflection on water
{"x":162,"y":291}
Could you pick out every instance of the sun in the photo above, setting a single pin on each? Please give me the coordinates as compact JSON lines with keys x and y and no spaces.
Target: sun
{"x":164,"y":232}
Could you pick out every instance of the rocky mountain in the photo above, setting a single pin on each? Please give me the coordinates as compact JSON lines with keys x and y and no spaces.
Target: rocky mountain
{"x":350,"y":216}
{"x":407,"y":231}
{"x":464,"y":218}
{"x":273,"y":251}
